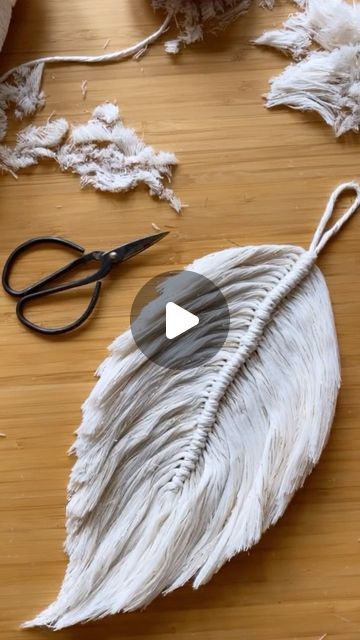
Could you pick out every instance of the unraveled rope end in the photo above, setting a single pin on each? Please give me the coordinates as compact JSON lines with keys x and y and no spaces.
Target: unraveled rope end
{"x":324,"y":40}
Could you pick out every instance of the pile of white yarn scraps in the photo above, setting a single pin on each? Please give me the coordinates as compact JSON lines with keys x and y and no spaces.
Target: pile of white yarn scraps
{"x":324,"y":41}
{"x":127,"y":161}
{"x":105,"y":154}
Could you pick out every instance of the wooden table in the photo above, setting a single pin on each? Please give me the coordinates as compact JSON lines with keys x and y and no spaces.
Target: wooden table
{"x":248,"y":176}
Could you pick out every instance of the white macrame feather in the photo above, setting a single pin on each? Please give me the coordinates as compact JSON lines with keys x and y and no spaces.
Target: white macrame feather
{"x":178,"y":471}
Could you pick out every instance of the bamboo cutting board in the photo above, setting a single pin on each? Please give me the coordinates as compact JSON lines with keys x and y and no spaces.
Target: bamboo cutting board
{"x":249,"y":176}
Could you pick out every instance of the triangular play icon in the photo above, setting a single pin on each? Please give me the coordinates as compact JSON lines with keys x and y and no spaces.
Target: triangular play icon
{"x":178,"y":320}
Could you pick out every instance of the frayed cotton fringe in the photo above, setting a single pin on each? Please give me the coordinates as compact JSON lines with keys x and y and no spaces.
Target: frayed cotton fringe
{"x":111,"y":157}
{"x":326,"y":23}
{"x":193,"y":17}
{"x":32,"y":145}
{"x":103,"y":152}
{"x":328,"y":83}
{"x":23,"y":93}
{"x":175,"y":474}
{"x":325,"y":81}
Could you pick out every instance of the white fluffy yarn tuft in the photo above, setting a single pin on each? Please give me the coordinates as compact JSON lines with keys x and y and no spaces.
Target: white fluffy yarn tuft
{"x":326,"y":81}
{"x":170,"y":484}
{"x":103,"y":152}
{"x":23,"y":92}
{"x":327,"y":23}
{"x":6,"y":7}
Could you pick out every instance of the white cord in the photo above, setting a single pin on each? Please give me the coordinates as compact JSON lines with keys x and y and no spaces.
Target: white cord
{"x":108,"y":57}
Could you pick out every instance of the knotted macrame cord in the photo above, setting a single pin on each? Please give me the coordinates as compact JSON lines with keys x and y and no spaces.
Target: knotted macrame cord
{"x":249,"y":343}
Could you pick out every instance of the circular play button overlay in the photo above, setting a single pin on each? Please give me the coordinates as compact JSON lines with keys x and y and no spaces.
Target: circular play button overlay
{"x":180,"y":320}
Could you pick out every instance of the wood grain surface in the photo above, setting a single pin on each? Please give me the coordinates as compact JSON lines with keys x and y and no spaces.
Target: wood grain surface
{"x":249,"y":176}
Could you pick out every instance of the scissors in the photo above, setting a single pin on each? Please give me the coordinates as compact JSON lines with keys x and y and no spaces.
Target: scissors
{"x":103,"y":261}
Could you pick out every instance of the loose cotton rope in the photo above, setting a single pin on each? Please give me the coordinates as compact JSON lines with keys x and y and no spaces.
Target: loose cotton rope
{"x":195,"y":14}
{"x":116,"y":56}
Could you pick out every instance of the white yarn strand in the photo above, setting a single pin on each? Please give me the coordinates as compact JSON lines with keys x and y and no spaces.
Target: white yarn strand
{"x":169,"y":486}
{"x":115,"y":56}
{"x":195,"y":13}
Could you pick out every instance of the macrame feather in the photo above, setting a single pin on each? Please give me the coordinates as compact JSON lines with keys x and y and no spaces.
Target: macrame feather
{"x":177,"y":472}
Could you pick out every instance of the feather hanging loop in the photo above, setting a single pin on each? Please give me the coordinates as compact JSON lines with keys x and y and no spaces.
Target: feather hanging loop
{"x":170,"y":484}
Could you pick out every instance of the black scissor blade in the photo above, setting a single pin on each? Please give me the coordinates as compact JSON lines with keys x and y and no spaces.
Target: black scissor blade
{"x":127,"y":251}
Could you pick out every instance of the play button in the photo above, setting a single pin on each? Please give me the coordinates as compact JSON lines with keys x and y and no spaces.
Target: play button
{"x":180,"y":320}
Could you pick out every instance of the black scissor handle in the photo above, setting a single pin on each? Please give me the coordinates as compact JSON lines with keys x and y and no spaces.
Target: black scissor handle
{"x":22,"y":302}
{"x":23,"y":248}
{"x":37,"y":290}
{"x":104,"y":262}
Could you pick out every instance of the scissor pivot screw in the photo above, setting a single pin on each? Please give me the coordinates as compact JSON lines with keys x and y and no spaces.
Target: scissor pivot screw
{"x":113,"y":255}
